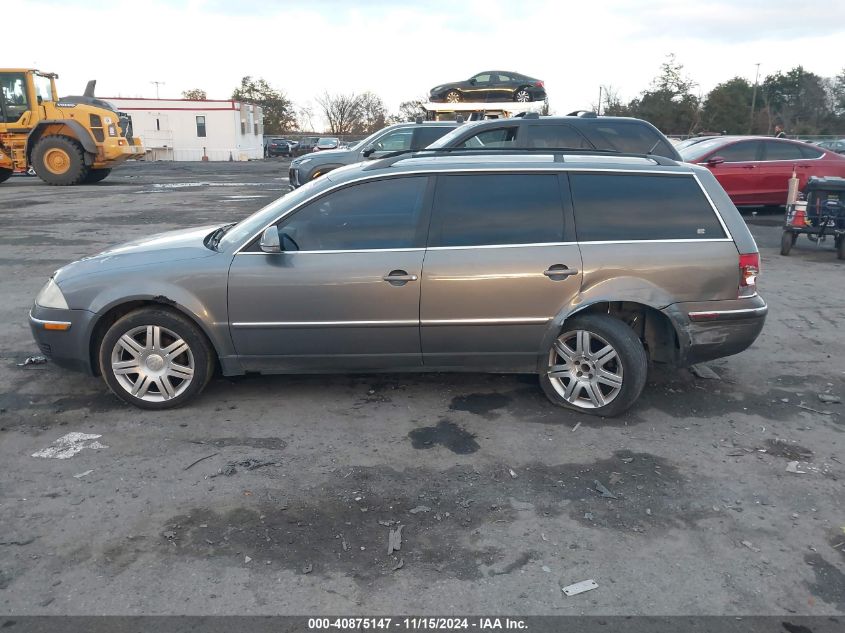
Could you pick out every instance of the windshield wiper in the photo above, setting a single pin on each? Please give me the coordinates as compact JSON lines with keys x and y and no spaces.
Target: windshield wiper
{"x":218,"y":234}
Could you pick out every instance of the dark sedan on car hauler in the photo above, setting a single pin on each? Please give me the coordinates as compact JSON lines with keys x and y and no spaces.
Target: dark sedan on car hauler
{"x":491,"y":85}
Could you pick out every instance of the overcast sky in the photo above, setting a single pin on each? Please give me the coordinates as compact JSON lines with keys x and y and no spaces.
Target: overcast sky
{"x":399,"y":50}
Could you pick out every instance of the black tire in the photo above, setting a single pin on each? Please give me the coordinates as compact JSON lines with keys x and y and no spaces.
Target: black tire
{"x":172,"y":325}
{"x":630,"y":363}
{"x":76,"y":170}
{"x":96,"y":175}
{"x":456,"y":97}
{"x":519,"y":94}
{"x":786,"y":242}
{"x":5,"y":174}
{"x":840,"y":248}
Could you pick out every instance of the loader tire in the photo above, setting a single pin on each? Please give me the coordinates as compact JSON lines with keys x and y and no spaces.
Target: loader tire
{"x":59,"y":160}
{"x":5,"y":174}
{"x":96,"y":175}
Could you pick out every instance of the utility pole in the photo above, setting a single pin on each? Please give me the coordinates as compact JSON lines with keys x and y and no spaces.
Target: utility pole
{"x":754,"y":99}
{"x":161,"y":83}
{"x":598,"y":113}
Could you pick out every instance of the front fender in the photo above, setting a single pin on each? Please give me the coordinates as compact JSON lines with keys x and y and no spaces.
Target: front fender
{"x":82,"y":135}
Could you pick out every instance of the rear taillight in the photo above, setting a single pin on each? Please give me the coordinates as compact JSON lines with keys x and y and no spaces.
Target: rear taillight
{"x":539,"y":84}
{"x":749,"y":268}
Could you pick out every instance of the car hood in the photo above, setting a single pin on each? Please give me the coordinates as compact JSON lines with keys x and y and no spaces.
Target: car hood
{"x":329,"y":156}
{"x":163,"y":248}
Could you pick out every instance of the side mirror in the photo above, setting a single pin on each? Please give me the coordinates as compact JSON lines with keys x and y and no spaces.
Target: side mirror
{"x":472,"y":81}
{"x":270,"y":240}
{"x":368,"y":151}
{"x":715,"y":160}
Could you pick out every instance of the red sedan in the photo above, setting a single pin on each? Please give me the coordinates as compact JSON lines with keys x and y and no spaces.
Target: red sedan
{"x":755,"y":170}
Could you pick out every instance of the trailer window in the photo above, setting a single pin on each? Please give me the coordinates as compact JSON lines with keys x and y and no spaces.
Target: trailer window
{"x":200,"y":126}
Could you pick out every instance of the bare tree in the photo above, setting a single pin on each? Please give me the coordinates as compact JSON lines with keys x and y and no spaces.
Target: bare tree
{"x":342,"y":112}
{"x":373,"y":113}
{"x":305,"y":117}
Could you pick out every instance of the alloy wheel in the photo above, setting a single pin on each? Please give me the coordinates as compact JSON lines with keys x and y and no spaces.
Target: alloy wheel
{"x":152,"y":363}
{"x":523,"y":97}
{"x":584,"y":369}
{"x":453,"y":97}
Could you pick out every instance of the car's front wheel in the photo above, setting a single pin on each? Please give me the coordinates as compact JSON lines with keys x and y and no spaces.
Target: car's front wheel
{"x":453,"y":96}
{"x":155,"y":358}
{"x":597,"y":365}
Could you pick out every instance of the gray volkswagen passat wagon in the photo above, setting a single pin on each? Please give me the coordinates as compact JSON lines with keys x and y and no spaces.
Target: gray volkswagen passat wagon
{"x":581,"y":268}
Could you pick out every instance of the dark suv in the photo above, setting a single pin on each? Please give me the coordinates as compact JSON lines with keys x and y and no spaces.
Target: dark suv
{"x":579,"y":268}
{"x":621,"y":134}
{"x":393,"y":138}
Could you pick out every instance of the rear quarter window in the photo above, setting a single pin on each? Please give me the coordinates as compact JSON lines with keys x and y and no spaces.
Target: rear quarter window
{"x":628,"y":137}
{"x":623,"y":207}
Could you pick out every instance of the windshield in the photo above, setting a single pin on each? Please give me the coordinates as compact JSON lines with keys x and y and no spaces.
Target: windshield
{"x":692,"y":153}
{"x":254,"y":223}
{"x":447,"y":140}
{"x":43,"y":88}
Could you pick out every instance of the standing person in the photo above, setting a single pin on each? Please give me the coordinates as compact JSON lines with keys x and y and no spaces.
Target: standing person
{"x":779,"y":131}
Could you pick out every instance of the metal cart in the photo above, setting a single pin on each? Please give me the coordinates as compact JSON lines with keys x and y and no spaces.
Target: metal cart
{"x":820,"y":215}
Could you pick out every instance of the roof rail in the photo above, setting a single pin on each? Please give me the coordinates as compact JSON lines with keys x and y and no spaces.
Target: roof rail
{"x":584,"y":114}
{"x":526,"y":115}
{"x":559,"y":154}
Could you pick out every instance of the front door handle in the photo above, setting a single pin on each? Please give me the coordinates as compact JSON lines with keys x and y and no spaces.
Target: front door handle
{"x":559,"y":271}
{"x":398,"y":277}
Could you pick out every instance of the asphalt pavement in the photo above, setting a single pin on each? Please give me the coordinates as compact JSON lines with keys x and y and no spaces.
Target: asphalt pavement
{"x":281,"y":494}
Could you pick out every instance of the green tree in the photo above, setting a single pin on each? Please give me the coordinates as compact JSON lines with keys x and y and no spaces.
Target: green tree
{"x":669,"y":104}
{"x":799,"y":100}
{"x":278,"y":110}
{"x":727,"y":107}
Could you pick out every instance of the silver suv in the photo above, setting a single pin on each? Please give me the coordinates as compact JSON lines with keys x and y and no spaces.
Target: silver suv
{"x":581,"y":268}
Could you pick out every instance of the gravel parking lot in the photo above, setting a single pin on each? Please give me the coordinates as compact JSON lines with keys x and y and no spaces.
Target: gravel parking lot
{"x":303,"y":478}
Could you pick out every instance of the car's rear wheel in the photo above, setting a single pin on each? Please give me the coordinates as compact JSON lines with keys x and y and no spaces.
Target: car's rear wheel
{"x":453,"y":96}
{"x":840,"y":247}
{"x":597,"y":365}
{"x":522,"y":96}
{"x":786,"y":242}
{"x":155,"y":358}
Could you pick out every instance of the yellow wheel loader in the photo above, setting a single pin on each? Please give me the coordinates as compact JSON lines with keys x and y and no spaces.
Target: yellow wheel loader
{"x":67,"y":140}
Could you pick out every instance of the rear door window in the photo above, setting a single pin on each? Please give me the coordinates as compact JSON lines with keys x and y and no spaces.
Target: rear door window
{"x":773,"y":150}
{"x":496,"y":137}
{"x":623,"y":207}
{"x":484,"y":209}
{"x":427,"y":134}
{"x":553,"y":136}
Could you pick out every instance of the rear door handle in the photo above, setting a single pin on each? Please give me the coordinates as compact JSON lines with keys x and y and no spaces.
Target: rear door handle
{"x":398,"y":277}
{"x":749,"y":166}
{"x":559,"y":271}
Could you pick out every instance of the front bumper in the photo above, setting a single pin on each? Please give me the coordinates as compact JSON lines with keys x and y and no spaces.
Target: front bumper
{"x":69,"y":348}
{"x":715,"y":329}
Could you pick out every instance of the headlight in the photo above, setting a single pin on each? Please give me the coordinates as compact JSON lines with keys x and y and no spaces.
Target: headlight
{"x":51,"y":297}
